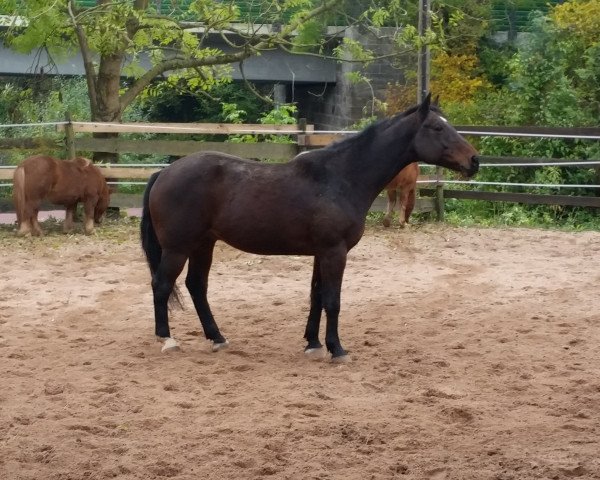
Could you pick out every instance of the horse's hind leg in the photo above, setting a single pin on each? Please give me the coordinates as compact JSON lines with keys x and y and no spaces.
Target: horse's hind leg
{"x":69,"y":218}
{"x":391,"y":203}
{"x":163,"y":283}
{"x":28,"y":224}
{"x":197,"y":284}
{"x":35,"y":225}
{"x":311,"y":334}
{"x":25,"y":227}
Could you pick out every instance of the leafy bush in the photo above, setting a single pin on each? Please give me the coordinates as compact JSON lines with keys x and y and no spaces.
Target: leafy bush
{"x":552,"y":79}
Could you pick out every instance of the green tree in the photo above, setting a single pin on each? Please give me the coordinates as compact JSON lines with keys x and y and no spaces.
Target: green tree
{"x":552,"y":79}
{"x":114,"y":36}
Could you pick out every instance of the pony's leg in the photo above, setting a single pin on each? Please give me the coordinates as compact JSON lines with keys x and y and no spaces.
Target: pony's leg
{"x":333,"y":264}
{"x":88,"y":210}
{"x":69,"y":214}
{"x":28,"y":224}
{"x":402,"y":217}
{"x":35,"y":226}
{"x":391,"y":203}
{"x":409,"y":204}
{"x":311,"y":334}
{"x":163,"y":283}
{"x":197,"y":284}
{"x":25,"y":227}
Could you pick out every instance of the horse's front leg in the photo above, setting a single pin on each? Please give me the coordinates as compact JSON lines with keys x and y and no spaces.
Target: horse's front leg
{"x":332,"y":265}
{"x":197,"y":284}
{"x":88,"y":210}
{"x":411,"y":199}
{"x":163,"y":283}
{"x":391,"y":203}
{"x":402,"y":217}
{"x":314,"y":348}
{"x":69,"y":218}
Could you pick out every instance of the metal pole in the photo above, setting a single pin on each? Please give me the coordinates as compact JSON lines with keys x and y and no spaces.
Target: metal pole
{"x":424,"y":57}
{"x":69,"y":137}
{"x":423,"y":75}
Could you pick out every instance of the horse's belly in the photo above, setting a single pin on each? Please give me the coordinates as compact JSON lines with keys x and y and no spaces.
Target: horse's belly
{"x":63,"y":197}
{"x":288,"y":237}
{"x":267,"y":242}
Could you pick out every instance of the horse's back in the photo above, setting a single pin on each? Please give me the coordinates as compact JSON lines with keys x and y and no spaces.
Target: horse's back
{"x":212,"y":173}
{"x":207,"y":182}
{"x":94,"y":181}
{"x":61,"y":181}
{"x":39,"y":175}
{"x":39,"y":164}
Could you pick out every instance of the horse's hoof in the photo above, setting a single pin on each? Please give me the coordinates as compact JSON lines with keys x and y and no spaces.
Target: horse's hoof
{"x":386,"y":222}
{"x":315,"y":353}
{"x":220,"y":346}
{"x":341,"y":359}
{"x":170,"y":345}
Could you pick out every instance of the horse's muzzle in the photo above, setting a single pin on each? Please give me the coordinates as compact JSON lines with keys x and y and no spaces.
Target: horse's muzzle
{"x":473,"y":169}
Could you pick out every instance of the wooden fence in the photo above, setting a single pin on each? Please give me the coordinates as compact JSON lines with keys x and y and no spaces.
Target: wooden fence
{"x":73,"y":143}
{"x":77,"y":138}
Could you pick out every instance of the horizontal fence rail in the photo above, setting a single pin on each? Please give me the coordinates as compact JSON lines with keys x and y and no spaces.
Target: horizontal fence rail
{"x":302,"y":137}
{"x":189,"y":128}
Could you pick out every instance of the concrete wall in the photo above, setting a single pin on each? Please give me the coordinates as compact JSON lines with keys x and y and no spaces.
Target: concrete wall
{"x":319,"y":86}
{"x":341,"y":105}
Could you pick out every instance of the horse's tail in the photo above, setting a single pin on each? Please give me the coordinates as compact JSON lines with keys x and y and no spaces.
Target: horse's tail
{"x":19,"y":193}
{"x":150,"y":243}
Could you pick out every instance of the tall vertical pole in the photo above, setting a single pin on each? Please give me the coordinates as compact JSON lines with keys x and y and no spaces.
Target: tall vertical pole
{"x":69,"y":137}
{"x":423,"y":75}
{"x":424,"y":55}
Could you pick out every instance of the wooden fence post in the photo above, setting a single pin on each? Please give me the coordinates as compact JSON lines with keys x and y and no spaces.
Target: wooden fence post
{"x":439,"y":194}
{"x":302,"y":127}
{"x":69,"y":137}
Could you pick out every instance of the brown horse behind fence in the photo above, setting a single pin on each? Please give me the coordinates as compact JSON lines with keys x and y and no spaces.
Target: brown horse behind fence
{"x":405,"y":183}
{"x":62,"y":182}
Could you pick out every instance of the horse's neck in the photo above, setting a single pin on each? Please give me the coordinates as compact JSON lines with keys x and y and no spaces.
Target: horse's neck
{"x":379,"y":161}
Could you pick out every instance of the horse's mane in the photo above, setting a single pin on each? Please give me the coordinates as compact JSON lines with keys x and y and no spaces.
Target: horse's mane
{"x":367,"y":135}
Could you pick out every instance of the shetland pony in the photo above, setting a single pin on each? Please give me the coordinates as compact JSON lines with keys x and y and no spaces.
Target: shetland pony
{"x":62,"y":182}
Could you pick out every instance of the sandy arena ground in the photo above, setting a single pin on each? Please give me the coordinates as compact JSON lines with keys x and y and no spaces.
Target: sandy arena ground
{"x":476,"y":355}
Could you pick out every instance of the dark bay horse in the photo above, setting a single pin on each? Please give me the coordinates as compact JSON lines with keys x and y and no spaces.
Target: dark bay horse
{"x":405,"y":185}
{"x":315,"y":205}
{"x":62,"y":182}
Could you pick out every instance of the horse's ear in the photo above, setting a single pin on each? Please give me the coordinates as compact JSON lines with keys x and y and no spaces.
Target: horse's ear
{"x":424,"y":107}
{"x":436,"y":101}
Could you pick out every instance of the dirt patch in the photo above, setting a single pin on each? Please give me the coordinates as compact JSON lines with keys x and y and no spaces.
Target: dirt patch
{"x":475,"y":356}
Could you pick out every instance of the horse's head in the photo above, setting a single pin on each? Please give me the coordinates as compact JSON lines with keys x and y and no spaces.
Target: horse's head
{"x":437,"y":142}
{"x":102,"y":205}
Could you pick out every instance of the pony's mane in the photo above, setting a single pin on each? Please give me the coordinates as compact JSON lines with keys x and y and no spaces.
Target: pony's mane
{"x":368,"y":133}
